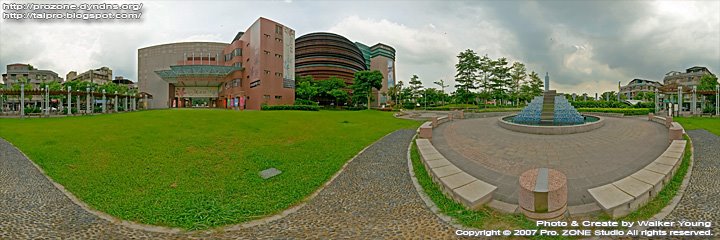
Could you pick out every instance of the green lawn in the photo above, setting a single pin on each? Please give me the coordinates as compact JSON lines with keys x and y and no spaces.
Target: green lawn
{"x":196,"y":169}
{"x":691,"y":123}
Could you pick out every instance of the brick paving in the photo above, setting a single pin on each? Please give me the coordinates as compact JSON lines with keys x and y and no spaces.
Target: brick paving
{"x":701,"y":200}
{"x":372,"y":198}
{"x":498,"y":156}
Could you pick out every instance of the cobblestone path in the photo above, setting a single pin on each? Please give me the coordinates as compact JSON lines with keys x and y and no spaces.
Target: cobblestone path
{"x":701,"y":200}
{"x":372,"y":198}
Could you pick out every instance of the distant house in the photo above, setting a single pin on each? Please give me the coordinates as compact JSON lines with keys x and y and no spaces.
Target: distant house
{"x":637,"y":85}
{"x":35,"y":77}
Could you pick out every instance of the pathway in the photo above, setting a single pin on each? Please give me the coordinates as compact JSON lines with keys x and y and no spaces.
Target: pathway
{"x":372,"y":198}
{"x":701,"y":200}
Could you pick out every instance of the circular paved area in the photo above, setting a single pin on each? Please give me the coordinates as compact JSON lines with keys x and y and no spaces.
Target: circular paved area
{"x":701,"y":200}
{"x":498,"y":156}
{"x":372,"y":198}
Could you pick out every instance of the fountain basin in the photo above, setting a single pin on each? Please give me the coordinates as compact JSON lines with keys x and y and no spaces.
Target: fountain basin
{"x":591,"y":123}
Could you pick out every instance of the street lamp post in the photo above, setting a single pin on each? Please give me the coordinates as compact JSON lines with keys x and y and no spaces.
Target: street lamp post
{"x":42,"y":101}
{"x":717,"y":100}
{"x":657,"y":107}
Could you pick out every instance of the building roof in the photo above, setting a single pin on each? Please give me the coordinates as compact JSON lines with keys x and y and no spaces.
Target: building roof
{"x":697,"y":68}
{"x":191,"y":74}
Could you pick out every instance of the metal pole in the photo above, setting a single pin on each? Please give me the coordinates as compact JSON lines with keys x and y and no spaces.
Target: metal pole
{"x":693,"y":104}
{"x":69,"y":90}
{"x":22,"y":100}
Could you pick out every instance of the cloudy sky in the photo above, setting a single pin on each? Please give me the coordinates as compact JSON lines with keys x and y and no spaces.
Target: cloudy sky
{"x":587,"y":46}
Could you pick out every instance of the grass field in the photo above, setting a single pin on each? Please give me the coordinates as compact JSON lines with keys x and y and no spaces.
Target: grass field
{"x":196,"y":169}
{"x":691,"y":123}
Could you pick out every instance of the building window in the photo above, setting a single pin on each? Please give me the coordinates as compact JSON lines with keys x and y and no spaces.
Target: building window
{"x":266,"y":97}
{"x":278,"y":29}
{"x":267,"y":52}
{"x":239,"y":65}
{"x":237,"y":52}
{"x":278,"y":39}
{"x":267,"y":72}
{"x":278,"y":97}
{"x":267,"y":35}
{"x":228,"y":57}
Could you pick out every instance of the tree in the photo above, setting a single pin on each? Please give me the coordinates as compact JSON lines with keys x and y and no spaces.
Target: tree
{"x":466,"y":76}
{"x":442,"y":85}
{"x":363,"y":84}
{"x":394,"y":92}
{"x":518,"y":75}
{"x":707,"y":82}
{"x":416,"y":87}
{"x":499,"y":79}
{"x":331,"y":88}
{"x":305,"y":88}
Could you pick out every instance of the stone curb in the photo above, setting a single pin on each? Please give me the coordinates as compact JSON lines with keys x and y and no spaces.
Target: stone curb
{"x":428,"y":202}
{"x":169,"y":230}
{"x":678,"y":195}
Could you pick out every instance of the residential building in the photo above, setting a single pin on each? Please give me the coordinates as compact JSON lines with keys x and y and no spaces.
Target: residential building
{"x":637,"y":85}
{"x":691,"y":76}
{"x":35,"y":77}
{"x":99,"y":76}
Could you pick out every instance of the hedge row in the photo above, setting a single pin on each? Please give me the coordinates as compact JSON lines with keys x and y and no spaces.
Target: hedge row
{"x":291,"y":107}
{"x":626,"y":111}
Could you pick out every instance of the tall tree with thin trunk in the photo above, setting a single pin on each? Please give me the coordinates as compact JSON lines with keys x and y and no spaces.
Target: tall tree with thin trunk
{"x":416,"y":87}
{"x":466,"y":76}
{"x":517,"y":75}
{"x":363,"y":84}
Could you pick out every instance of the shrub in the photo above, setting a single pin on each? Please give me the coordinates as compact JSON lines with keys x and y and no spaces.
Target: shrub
{"x":626,"y":111}
{"x":291,"y":107}
{"x":32,"y":110}
{"x":74,"y":110}
{"x":305,"y":102}
{"x":599,"y":104}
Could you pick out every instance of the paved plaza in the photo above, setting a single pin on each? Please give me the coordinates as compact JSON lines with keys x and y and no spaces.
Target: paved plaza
{"x":498,"y":156}
{"x":373,"y":198}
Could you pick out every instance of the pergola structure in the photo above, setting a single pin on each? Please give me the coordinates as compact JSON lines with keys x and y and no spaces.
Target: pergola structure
{"x":129,"y":101}
{"x":675,"y":91}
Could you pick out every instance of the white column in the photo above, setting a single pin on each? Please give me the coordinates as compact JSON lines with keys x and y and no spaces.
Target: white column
{"x":69,"y":91}
{"x":680,"y":99}
{"x":22,"y":100}
{"x":115,"y":103}
{"x":47,"y":100}
{"x":42,"y":101}
{"x":717,"y":100}
{"x":693,"y":103}
{"x":78,"y":103}
{"x":87,"y":107}
{"x":126,"y":103}
{"x":657,"y":99}
{"x":104,"y":110}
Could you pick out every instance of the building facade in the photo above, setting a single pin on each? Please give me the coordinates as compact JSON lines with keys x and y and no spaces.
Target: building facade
{"x":691,"y":76}
{"x":256,"y":68}
{"x":120,"y":80}
{"x":35,"y":77}
{"x":323,"y":55}
{"x":637,"y":85}
{"x":99,"y":76}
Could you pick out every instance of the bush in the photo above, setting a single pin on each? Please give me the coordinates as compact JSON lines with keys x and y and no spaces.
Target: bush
{"x":32,"y":110}
{"x":97,"y":110}
{"x":291,"y":107}
{"x":626,"y":111}
{"x":599,"y":104}
{"x":74,"y":110}
{"x":305,"y":102}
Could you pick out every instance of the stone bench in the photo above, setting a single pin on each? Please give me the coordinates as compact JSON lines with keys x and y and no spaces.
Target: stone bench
{"x":632,"y":192}
{"x":436,"y":121}
{"x":425,"y":130}
{"x":658,"y":119}
{"x":676,"y":131}
{"x":454,"y":182}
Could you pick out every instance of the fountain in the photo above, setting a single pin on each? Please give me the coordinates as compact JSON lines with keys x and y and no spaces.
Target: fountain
{"x":550,"y":114}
